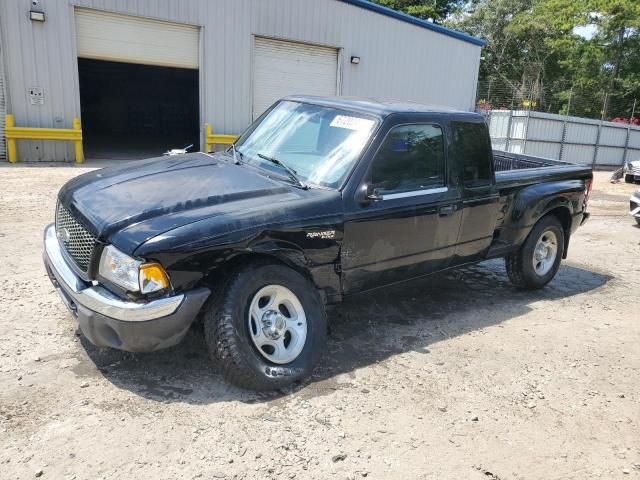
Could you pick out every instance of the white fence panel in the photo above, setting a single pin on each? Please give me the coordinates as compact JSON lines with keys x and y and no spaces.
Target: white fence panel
{"x":581,"y":133}
{"x":499,"y":125}
{"x":582,"y":154}
{"x":610,"y":156}
{"x":545,"y":130}
{"x":543,"y":149}
{"x":572,"y":139}
{"x":633,"y":154}
{"x":613,"y":136}
{"x":499,"y":143}
{"x":634,"y":139}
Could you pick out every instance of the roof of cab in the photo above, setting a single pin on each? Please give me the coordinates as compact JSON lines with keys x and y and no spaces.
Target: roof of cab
{"x":381,"y":108}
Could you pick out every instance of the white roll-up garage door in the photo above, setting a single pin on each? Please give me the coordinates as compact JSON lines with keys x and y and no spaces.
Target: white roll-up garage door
{"x":122,"y":38}
{"x":288,"y":68}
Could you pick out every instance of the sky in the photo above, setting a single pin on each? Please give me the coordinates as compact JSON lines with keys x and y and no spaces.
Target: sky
{"x":587,"y":31}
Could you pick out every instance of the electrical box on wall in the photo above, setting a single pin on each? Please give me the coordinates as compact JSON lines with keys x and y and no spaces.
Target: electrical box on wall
{"x":37,"y":95}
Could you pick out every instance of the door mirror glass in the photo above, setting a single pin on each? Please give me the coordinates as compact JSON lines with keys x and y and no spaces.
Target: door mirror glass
{"x":373,"y":194}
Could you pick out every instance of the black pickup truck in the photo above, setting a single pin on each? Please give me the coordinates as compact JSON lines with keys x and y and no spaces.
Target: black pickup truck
{"x":319,"y":199}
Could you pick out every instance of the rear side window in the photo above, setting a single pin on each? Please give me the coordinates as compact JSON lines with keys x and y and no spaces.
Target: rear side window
{"x":411,"y":158}
{"x":472,"y":152}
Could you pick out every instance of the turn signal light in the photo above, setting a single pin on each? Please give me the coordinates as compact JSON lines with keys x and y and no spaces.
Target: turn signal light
{"x":153,"y":278}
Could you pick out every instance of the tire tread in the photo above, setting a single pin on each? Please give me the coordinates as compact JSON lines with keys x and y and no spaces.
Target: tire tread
{"x":515,"y":263}
{"x":222,"y":337}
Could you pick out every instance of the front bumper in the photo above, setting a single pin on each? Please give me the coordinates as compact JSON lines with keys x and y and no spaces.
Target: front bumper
{"x":108,"y":321}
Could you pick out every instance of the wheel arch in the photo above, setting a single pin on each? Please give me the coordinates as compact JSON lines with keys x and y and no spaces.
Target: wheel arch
{"x":534,"y":203}
{"x":563,"y":214}
{"x":268,"y":252}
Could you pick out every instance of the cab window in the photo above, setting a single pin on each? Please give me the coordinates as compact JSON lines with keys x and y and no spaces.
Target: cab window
{"x":411,"y":158}
{"x":472,"y":151}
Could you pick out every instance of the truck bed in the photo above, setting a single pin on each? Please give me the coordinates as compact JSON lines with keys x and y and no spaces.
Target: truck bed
{"x":515,"y":170}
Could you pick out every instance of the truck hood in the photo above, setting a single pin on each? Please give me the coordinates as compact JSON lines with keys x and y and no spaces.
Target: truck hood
{"x":129,"y":204}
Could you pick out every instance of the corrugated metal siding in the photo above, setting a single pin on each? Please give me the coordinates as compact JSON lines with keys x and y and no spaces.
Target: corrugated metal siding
{"x":398,"y":60}
{"x":3,"y":109}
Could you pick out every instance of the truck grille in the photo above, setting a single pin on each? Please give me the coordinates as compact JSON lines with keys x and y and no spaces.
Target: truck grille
{"x":77,"y":241}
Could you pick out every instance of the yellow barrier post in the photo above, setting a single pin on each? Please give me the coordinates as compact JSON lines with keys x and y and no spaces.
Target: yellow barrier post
{"x":13,"y":133}
{"x":78,"y":143}
{"x":12,"y":149}
{"x":211,"y":139}
{"x":208,"y":132}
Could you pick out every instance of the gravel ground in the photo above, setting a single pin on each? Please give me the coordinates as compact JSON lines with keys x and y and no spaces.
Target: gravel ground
{"x":457,"y":376}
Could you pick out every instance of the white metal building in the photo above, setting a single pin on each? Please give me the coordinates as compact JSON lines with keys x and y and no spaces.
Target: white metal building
{"x":147,"y":75}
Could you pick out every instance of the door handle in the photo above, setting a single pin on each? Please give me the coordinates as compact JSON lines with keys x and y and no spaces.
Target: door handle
{"x":447,"y":210}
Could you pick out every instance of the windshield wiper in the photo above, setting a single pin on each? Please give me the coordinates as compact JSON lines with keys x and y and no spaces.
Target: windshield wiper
{"x":292,"y":173}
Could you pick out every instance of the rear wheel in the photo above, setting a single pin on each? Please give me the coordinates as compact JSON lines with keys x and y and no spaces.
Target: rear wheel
{"x":538,"y":260}
{"x":267,"y":327}
{"x":629,"y":178}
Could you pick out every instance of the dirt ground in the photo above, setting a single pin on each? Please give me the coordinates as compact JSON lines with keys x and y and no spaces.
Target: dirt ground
{"x":457,"y":376}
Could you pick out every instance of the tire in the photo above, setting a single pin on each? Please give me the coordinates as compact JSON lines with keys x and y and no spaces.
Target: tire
{"x":233,"y":336}
{"x":522,"y":270}
{"x":629,"y":178}
{"x":638,"y":220}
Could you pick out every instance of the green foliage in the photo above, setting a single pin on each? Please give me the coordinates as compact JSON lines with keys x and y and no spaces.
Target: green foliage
{"x":536,"y":58}
{"x":437,"y":10}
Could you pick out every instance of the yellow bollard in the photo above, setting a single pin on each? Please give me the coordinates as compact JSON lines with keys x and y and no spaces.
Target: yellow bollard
{"x":219,"y":139}
{"x":12,"y":150}
{"x":78,"y":143}
{"x":208,"y":132}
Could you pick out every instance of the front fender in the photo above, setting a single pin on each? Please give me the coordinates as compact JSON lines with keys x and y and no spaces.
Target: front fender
{"x":315,"y":253}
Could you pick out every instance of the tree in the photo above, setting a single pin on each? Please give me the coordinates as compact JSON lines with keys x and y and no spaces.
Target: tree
{"x":536,"y":57}
{"x":436,"y":10}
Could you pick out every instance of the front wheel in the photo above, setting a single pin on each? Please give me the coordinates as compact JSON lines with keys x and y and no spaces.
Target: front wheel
{"x":538,"y":260}
{"x":267,"y":327}
{"x":629,"y":178}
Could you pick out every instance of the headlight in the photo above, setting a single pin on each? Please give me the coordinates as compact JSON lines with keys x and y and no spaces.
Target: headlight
{"x":131,"y":274}
{"x":120,"y":268}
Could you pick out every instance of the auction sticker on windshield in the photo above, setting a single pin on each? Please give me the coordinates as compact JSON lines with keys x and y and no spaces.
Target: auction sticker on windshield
{"x":352,"y":123}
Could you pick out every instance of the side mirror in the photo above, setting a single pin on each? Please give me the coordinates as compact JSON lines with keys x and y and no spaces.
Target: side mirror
{"x":369,"y":194}
{"x":374,"y":195}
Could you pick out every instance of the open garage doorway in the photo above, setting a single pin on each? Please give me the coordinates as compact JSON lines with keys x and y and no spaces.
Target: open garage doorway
{"x":139,"y":92}
{"x":132,"y":111}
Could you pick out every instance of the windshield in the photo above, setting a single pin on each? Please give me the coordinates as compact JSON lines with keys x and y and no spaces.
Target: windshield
{"x":320,"y":144}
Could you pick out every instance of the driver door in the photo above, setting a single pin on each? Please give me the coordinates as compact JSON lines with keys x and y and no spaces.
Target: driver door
{"x":409,"y":225}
